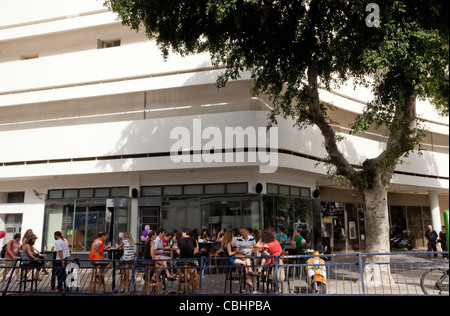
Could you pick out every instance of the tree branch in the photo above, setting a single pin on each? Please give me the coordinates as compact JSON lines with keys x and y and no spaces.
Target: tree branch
{"x":344,"y":168}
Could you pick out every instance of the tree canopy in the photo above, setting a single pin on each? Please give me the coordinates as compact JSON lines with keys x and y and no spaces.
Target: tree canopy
{"x":292,"y":48}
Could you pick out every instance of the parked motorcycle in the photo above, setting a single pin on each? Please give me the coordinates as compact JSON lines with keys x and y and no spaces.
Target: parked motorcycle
{"x":316,"y":274}
{"x":402,"y":241}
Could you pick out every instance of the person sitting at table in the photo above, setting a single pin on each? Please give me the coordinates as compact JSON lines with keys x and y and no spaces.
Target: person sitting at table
{"x":232,"y":255}
{"x":97,"y":251}
{"x":273,"y":247}
{"x":298,"y":242}
{"x":150,"y":254}
{"x":281,"y":237}
{"x":188,"y":247}
{"x":29,"y":257}
{"x":26,"y":236}
{"x":161,"y":254}
{"x":202,"y":239}
{"x":127,"y":243}
{"x":244,"y":245}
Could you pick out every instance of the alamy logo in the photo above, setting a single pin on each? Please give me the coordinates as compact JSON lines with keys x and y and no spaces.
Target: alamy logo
{"x":373,"y":19}
{"x":230,"y":144}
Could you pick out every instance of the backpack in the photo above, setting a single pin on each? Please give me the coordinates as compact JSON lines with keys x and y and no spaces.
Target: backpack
{"x":3,"y":253}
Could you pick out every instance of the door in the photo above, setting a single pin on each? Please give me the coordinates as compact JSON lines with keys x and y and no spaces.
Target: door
{"x":150,"y":215}
{"x":13,"y":225}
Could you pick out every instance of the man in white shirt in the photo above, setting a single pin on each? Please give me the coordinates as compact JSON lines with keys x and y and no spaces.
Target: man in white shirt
{"x":245,"y":240}
{"x":62,"y":253}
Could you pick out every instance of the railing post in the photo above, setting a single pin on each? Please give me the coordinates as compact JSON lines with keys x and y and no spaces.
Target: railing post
{"x":10,"y":276}
{"x":132,"y":277}
{"x":361,"y":271}
{"x":202,"y":262}
{"x":275,"y":280}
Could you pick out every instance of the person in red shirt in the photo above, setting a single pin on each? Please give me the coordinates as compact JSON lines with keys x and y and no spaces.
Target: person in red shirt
{"x":270,"y":243}
{"x":97,"y":249}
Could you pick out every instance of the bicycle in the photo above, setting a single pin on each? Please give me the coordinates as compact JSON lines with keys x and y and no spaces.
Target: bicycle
{"x":435,"y":282}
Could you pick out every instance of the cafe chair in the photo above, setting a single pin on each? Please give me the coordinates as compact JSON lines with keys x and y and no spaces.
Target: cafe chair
{"x":97,"y":282}
{"x":151,"y":285}
{"x":212,"y":262}
{"x":187,"y":276}
{"x":236,"y":272}
{"x":126,"y":270}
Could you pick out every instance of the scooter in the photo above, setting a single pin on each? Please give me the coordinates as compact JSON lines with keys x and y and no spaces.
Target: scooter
{"x":402,"y":241}
{"x":316,"y":274}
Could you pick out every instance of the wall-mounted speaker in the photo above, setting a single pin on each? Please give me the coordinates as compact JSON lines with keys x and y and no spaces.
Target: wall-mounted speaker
{"x":316,"y":194}
{"x":259,"y":188}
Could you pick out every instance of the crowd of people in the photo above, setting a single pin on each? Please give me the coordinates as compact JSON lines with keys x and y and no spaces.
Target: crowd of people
{"x":236,"y":246}
{"x":24,"y":248}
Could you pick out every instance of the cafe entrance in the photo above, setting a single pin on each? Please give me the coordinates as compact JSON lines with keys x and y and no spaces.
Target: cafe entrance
{"x":343,"y":226}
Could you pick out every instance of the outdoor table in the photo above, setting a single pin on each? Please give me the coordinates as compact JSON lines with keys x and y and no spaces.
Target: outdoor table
{"x":114,"y":254}
{"x":171,"y":249}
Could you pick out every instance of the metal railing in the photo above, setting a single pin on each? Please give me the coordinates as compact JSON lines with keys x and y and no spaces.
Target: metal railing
{"x":355,"y":274}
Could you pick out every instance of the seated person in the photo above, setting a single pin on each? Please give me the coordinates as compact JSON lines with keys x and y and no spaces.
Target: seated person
{"x":127,"y":244}
{"x":159,"y":253}
{"x":187,"y":249}
{"x":97,"y":250}
{"x":273,"y":247}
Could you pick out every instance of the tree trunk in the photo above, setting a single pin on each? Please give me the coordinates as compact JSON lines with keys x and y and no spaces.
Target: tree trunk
{"x":378,"y":236}
{"x":377,"y":219}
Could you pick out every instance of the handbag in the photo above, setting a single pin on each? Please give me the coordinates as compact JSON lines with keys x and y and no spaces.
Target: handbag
{"x":281,"y":275}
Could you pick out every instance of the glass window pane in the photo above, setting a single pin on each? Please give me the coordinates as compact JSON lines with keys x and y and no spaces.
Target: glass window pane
{"x":103,"y":192}
{"x":215,"y":189}
{"x":151,"y":191}
{"x":55,"y":194}
{"x":295,"y":191}
{"x":119,"y":192}
{"x":86,"y":193}
{"x":70,"y":194}
{"x":306,"y":192}
{"x":193,"y":189}
{"x":284,"y":190}
{"x":272,"y":188}
{"x":172,"y":190}
{"x":237,"y":188}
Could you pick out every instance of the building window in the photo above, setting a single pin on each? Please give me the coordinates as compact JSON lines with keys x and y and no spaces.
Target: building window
{"x":89,"y":193}
{"x":279,"y":189}
{"x":108,"y":43}
{"x":196,"y":189}
{"x":15,"y":197}
{"x":80,"y":220}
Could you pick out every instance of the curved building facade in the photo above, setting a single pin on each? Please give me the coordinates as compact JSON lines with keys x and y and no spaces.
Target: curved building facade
{"x":98,"y":132}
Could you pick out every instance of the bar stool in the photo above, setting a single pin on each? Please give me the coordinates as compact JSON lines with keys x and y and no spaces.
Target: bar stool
{"x":150,"y":285}
{"x":184,"y":271}
{"x":97,"y":281}
{"x":211,"y":262}
{"x":125,"y":269}
{"x":23,"y":276}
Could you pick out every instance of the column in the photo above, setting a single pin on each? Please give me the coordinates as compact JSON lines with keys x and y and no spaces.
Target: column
{"x":435,"y":211}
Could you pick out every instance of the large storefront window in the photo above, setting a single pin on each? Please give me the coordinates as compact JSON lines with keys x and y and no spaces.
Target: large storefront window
{"x":288,"y":213}
{"x":230,"y":212}
{"x":411,"y":221}
{"x":81,"y":220}
{"x":344,"y":226}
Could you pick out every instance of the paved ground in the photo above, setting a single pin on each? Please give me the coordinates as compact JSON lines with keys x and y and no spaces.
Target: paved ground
{"x":344,"y":278}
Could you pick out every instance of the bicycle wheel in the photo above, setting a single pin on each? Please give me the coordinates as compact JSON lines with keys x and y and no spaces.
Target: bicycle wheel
{"x":435,"y":282}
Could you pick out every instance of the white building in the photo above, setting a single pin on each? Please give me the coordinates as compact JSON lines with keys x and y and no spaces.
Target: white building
{"x":87,"y":108}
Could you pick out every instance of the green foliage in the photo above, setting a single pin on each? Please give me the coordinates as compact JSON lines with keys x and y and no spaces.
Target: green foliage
{"x":407,"y":56}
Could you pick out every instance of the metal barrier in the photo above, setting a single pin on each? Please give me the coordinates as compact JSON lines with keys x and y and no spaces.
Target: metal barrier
{"x":400,"y":274}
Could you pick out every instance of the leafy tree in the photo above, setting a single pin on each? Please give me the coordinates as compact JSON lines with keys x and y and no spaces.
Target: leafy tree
{"x":292,"y":48}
